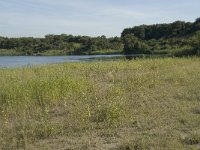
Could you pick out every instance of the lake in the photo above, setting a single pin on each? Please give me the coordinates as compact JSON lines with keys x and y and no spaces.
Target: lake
{"x":18,"y":61}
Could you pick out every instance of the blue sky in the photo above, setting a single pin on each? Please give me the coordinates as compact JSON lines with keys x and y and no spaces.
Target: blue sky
{"x":89,"y":17}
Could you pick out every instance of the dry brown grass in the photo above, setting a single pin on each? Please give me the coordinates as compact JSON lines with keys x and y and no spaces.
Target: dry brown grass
{"x":140,"y":104}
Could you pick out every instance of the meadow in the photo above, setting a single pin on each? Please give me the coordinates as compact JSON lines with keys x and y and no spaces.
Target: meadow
{"x":142,"y":104}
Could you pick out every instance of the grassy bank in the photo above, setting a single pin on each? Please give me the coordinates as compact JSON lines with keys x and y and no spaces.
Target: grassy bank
{"x":10,"y":52}
{"x":140,"y":104}
{"x":178,"y":52}
{"x":14,"y":52}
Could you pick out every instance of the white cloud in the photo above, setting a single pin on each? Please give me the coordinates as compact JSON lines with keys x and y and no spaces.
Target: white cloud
{"x":90,"y":17}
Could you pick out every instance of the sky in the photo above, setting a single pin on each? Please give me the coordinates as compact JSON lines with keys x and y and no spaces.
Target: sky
{"x":36,"y":18}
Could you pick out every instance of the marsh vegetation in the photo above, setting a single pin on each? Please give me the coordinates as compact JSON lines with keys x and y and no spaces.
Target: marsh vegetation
{"x":140,"y":104}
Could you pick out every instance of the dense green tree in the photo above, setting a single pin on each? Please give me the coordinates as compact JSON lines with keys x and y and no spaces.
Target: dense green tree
{"x":176,"y":37}
{"x":197,"y":42}
{"x":158,"y":31}
{"x":197,"y":20}
{"x":132,"y":45}
{"x":68,"y":43}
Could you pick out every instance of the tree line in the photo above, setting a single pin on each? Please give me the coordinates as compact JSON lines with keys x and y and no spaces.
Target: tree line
{"x":177,"y":38}
{"x":68,"y":43}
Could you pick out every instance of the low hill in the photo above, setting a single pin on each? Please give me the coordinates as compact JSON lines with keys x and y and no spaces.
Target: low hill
{"x":176,"y":39}
{"x":157,"y":31}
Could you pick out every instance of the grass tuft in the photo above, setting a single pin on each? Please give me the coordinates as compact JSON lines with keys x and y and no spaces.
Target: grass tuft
{"x":139,"y":104}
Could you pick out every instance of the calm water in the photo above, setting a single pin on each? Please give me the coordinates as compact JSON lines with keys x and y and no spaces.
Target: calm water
{"x":17,"y":61}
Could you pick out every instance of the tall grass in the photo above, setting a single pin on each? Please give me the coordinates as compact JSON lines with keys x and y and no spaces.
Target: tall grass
{"x":139,"y":104}
{"x":10,"y":52}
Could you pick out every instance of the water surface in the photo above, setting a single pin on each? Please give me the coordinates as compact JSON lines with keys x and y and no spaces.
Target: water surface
{"x":18,"y":61}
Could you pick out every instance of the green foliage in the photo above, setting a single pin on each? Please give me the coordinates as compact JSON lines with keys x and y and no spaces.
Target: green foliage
{"x":132,"y":45}
{"x":143,"y":39}
{"x":197,"y":20}
{"x":67,"y":43}
{"x":158,"y":31}
{"x":197,"y":42}
{"x":163,"y":38}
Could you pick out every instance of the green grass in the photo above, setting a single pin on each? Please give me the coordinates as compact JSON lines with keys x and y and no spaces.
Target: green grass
{"x":139,"y":104}
{"x":53,"y":53}
{"x":10,"y":52}
{"x":109,"y":51}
